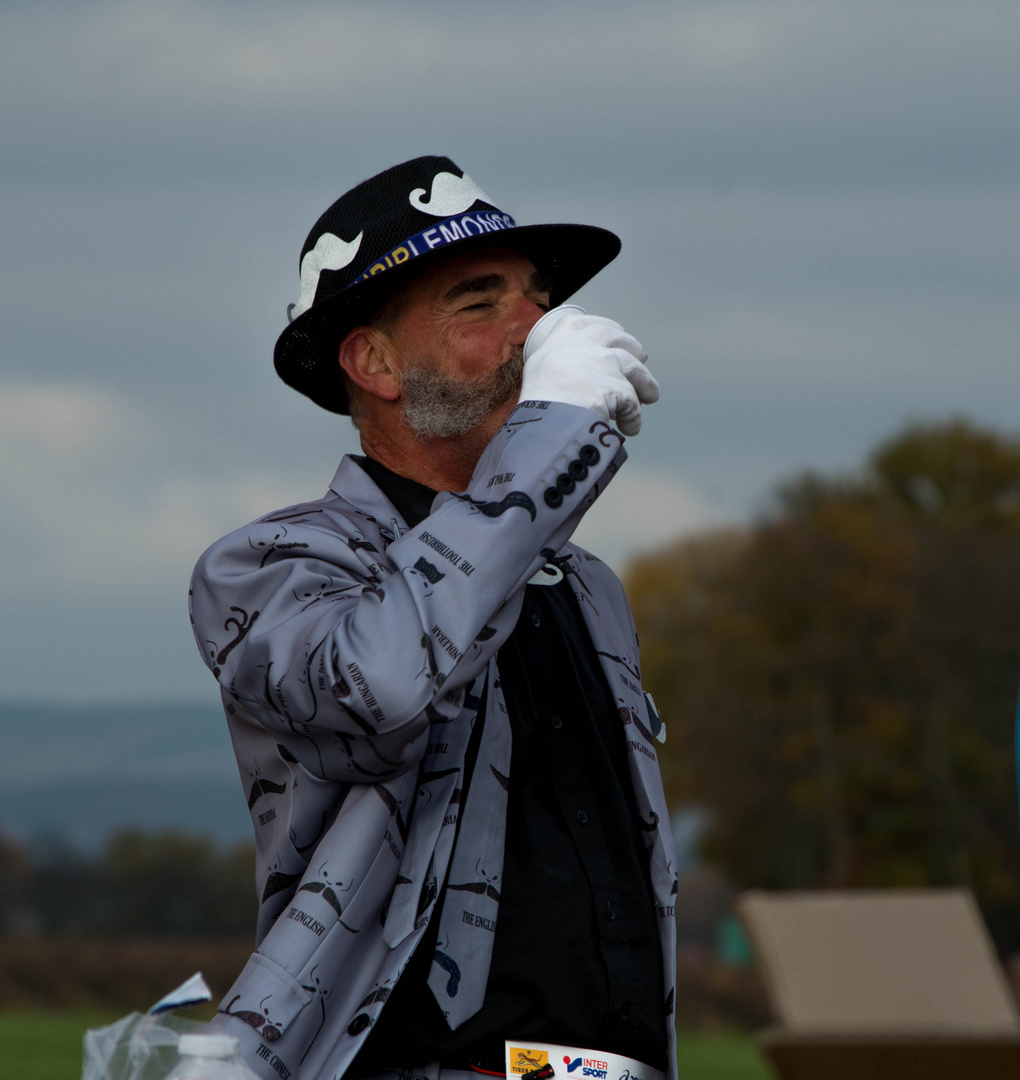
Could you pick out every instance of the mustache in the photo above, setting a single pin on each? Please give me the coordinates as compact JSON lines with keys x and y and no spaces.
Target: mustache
{"x":510,"y":373}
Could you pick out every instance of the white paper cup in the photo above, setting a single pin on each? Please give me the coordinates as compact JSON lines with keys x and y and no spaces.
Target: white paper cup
{"x":541,"y":330}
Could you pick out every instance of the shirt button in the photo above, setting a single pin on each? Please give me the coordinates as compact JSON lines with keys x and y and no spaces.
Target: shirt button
{"x":610,"y":912}
{"x":582,"y":817}
{"x":556,"y":722}
{"x":536,"y":619}
{"x":624,"y":1012}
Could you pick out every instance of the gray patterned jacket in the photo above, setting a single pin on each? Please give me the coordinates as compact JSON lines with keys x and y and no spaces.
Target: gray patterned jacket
{"x":352,"y":653}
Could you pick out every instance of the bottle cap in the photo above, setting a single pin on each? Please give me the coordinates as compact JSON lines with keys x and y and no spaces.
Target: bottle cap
{"x":213,"y":1046}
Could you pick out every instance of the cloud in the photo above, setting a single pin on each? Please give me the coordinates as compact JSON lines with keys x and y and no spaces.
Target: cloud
{"x":95,"y":513}
{"x":54,"y":427}
{"x":260,"y":55}
{"x":818,"y":202}
{"x":638,"y":511}
{"x":818,"y":93}
{"x":90,"y":509}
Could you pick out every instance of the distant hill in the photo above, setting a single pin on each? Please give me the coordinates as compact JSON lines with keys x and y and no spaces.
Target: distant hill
{"x":79,"y":772}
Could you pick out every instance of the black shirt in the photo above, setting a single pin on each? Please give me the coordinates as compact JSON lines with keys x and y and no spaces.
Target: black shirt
{"x":576,"y":958}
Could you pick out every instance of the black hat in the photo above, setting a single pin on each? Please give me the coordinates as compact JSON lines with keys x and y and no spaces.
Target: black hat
{"x":386,"y":231}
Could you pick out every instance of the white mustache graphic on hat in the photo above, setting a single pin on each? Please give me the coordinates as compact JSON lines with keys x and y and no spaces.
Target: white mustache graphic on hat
{"x":450,"y":195}
{"x":329,"y":253}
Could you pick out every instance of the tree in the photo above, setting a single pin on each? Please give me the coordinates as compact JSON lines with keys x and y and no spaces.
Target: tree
{"x":839,"y":680}
{"x":16,"y":915}
{"x":173,"y":884}
{"x":163,"y":884}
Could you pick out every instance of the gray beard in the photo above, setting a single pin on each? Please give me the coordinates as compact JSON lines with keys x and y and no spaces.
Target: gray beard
{"x":437,"y":406}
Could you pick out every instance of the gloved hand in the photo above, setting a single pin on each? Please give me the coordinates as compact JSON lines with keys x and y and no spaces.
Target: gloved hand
{"x":586,"y":360}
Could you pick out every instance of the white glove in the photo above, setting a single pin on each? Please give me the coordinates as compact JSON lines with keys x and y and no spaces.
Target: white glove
{"x":590,"y":361}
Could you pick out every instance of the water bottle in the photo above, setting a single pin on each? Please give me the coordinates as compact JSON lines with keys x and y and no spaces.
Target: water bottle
{"x":209,"y":1057}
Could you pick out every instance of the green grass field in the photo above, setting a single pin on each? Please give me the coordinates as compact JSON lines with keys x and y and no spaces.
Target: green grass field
{"x":47,"y":1046}
{"x":720,"y":1057}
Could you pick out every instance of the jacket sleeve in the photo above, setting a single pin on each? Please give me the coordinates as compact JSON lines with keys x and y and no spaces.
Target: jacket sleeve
{"x":343,"y":652}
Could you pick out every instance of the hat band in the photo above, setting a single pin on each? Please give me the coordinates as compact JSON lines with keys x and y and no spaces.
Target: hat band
{"x":449,"y":231}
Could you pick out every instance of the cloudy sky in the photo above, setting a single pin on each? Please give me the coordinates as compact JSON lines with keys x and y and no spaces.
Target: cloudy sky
{"x":818,"y":203}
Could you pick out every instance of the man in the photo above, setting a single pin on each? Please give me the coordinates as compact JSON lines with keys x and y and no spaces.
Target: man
{"x":463,"y":849}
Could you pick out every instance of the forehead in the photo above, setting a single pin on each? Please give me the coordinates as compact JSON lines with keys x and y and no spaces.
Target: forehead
{"x":433,"y":285}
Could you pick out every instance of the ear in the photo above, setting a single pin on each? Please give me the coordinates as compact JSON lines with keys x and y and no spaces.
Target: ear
{"x":367,"y":357}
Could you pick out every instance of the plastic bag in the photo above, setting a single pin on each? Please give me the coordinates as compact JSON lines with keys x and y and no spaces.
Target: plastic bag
{"x":144,"y":1047}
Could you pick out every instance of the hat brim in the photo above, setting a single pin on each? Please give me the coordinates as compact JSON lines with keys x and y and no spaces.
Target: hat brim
{"x":306,"y":357}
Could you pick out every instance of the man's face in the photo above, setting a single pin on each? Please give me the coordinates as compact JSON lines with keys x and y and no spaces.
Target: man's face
{"x":459,"y":339}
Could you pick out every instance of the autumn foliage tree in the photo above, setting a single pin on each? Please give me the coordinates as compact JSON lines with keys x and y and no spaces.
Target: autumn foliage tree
{"x":162,"y":884}
{"x":839,"y":680}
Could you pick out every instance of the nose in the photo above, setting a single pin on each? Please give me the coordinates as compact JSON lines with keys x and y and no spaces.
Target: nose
{"x":526,"y":314}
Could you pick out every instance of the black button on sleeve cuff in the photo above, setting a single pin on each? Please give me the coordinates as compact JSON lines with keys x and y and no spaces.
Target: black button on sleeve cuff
{"x":577,"y":470}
